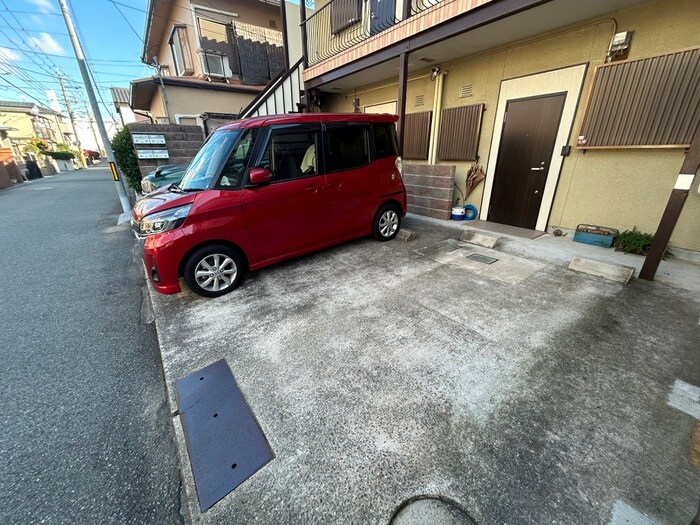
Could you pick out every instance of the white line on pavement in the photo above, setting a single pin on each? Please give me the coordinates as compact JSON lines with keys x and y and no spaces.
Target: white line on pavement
{"x":685,"y":397}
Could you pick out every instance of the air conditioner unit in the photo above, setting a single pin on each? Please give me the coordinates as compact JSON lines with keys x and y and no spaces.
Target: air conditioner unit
{"x":215,"y":65}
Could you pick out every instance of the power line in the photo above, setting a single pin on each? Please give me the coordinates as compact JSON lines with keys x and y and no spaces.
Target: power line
{"x":127,"y":21}
{"x":89,"y":66}
{"x":31,"y":39}
{"x":23,"y":91}
{"x":57,"y":33}
{"x":18,"y":11}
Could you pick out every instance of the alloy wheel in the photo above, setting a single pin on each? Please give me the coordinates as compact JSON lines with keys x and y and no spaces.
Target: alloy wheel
{"x":215,"y":272}
{"x":388,"y":223}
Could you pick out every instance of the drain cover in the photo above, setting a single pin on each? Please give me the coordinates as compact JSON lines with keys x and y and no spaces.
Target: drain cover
{"x":224,"y":441}
{"x":481,"y":258}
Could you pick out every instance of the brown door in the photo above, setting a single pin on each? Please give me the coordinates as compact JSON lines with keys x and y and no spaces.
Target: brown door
{"x":527,"y":143}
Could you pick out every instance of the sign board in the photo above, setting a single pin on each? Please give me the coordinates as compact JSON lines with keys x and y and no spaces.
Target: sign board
{"x":143,"y":138}
{"x":152,"y":154}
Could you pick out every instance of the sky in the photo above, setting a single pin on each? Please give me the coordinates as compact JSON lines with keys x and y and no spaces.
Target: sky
{"x":34,"y":47}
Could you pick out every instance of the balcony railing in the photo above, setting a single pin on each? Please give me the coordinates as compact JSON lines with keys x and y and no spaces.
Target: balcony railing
{"x":339,"y":25}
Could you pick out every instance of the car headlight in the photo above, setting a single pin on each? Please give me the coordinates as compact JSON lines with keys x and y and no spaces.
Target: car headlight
{"x":164,"y":221}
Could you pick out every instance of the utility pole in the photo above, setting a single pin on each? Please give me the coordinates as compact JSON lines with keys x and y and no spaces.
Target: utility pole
{"x":71,"y":116}
{"x":80,"y":57}
{"x":92,"y":127}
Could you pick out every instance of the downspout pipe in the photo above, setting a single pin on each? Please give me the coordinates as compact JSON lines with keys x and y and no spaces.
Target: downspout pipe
{"x":439,"y":75}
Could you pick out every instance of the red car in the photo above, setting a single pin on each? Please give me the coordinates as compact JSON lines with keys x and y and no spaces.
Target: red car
{"x":267,"y":189}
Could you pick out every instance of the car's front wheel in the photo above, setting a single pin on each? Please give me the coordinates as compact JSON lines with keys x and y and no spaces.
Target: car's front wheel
{"x":387,"y":222}
{"x":215,"y":270}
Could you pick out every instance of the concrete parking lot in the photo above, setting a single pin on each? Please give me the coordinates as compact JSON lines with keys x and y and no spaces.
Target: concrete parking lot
{"x":380,"y":372}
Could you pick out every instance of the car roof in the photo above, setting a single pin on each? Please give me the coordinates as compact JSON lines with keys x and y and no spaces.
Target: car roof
{"x":301,"y":118}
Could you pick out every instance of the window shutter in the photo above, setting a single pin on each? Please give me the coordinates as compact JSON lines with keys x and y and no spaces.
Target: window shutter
{"x":646,"y":102}
{"x":218,"y":37}
{"x":459,"y":132}
{"x":183,"y":45}
{"x":417,"y":133}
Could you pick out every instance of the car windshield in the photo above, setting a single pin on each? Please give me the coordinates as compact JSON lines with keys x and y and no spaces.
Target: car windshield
{"x":208,"y":161}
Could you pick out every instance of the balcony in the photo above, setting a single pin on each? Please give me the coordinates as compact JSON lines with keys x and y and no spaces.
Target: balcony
{"x":342,"y":31}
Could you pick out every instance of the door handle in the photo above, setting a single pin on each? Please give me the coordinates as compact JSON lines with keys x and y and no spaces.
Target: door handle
{"x":536,"y":169}
{"x":312,"y":188}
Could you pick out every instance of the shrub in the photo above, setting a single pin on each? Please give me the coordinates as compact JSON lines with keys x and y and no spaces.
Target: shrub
{"x":63,"y":147}
{"x":634,"y":241}
{"x":36,"y":145}
{"x":125,"y":156}
{"x":60,"y":155}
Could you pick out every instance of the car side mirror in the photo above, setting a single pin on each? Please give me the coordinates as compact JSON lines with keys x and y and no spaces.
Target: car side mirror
{"x":158,"y":173}
{"x":260,"y":176}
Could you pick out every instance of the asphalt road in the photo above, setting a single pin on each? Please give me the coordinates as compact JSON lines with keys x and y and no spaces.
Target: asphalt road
{"x":85,"y":435}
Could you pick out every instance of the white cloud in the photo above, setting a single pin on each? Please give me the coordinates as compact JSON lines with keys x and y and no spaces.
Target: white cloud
{"x":47,"y":44}
{"x":45,"y":6}
{"x":7,"y":56}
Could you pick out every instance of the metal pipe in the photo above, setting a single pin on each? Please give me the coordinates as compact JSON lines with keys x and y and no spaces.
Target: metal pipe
{"x":435,"y":124}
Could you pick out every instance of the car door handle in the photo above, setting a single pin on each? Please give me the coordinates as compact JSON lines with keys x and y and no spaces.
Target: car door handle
{"x":312,"y":188}
{"x":335,"y":184}
{"x":536,"y":169}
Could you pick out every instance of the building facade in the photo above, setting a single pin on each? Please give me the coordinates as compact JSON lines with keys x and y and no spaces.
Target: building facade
{"x":25,"y":120}
{"x":210,"y":59}
{"x":579,"y":112}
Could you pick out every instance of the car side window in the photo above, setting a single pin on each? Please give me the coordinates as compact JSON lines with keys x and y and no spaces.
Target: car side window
{"x":385,"y":140}
{"x":348,"y":147}
{"x":291,"y":154}
{"x":234,"y":169}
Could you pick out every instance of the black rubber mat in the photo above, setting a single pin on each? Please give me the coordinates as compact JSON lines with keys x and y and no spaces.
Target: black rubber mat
{"x":224,"y":441}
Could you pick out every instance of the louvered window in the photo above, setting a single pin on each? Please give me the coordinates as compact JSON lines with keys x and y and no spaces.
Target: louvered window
{"x":182,"y":54}
{"x":649,"y":102}
{"x":345,"y":13}
{"x":417,"y":133}
{"x":459,"y":132}
{"x":216,"y":39}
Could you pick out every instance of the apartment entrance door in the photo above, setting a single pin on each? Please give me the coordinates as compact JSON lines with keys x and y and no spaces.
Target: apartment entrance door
{"x":383,"y":15}
{"x":524,"y":156}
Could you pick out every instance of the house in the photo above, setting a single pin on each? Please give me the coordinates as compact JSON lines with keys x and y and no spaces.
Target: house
{"x":26,"y":120}
{"x":579,"y":112}
{"x":121,"y":97}
{"x":210,"y":59}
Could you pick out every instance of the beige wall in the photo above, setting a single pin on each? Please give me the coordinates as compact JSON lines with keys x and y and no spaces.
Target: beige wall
{"x":25,"y":130}
{"x":617,"y":188}
{"x":189,"y":101}
{"x":249,"y":11}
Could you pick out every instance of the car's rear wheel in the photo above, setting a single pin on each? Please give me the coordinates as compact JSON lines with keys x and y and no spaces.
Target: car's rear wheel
{"x":212,"y":271}
{"x":387,"y":222}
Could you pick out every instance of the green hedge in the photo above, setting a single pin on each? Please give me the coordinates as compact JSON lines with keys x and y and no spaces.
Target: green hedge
{"x":125,"y":156}
{"x":60,"y":155}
